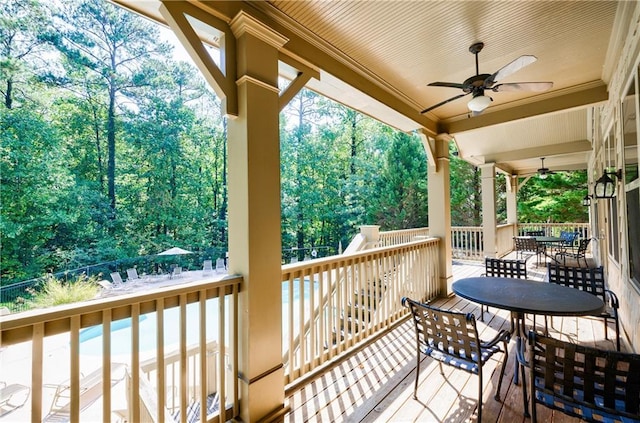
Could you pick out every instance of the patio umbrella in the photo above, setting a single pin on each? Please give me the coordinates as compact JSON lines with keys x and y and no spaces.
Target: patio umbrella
{"x":175,"y":251}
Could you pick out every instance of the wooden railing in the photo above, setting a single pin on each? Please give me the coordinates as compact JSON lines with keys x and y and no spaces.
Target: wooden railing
{"x":186,"y":322}
{"x":467,"y":243}
{"x":331,"y":305}
{"x":401,"y":236}
{"x":504,"y":239}
{"x":554,"y":229}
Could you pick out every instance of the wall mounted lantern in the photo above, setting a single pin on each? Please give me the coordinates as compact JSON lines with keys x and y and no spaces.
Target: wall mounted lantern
{"x":605,"y":186}
{"x":586,"y":201}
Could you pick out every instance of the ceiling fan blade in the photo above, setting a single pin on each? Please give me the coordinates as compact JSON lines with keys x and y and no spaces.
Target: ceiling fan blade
{"x":507,"y":70}
{"x":523,"y":86}
{"x":443,"y":102}
{"x":447,"y":84}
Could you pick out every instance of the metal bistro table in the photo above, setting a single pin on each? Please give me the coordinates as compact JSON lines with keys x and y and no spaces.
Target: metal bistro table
{"x":521,"y":296}
{"x":550,"y":241}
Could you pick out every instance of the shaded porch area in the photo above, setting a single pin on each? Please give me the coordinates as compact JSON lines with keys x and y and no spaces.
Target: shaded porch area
{"x":376,"y":383}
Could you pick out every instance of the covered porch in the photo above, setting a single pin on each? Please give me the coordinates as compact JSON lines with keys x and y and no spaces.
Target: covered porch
{"x":376,"y":382}
{"x":587,"y":122}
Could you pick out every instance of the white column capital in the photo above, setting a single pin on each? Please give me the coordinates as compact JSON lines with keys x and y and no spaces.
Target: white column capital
{"x":243,"y":23}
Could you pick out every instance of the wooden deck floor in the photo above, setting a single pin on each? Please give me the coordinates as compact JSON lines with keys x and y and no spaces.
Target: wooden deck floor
{"x":376,"y":384}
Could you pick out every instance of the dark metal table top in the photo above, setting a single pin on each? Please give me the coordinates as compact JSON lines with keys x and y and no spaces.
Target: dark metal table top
{"x":549,"y":239}
{"x":530,"y":297}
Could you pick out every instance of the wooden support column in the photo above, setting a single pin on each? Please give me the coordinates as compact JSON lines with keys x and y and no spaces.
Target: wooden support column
{"x":489,"y":220}
{"x":255,"y":246}
{"x":440,"y":207}
{"x":512,"y":202}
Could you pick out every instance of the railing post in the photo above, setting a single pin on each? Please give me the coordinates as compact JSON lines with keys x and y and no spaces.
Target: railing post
{"x":372,"y":234}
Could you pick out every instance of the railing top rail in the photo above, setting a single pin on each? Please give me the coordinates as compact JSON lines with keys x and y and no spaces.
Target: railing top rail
{"x":327,"y":261}
{"x":399,"y":231}
{"x":16,"y":327}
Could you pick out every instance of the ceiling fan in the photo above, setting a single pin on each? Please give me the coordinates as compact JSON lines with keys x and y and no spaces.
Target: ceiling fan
{"x":477,"y":84}
{"x":543,"y":172}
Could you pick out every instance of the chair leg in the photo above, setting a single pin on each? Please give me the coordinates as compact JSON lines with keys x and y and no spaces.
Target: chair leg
{"x":504,"y":366}
{"x":523,"y":381}
{"x":617,"y":333}
{"x":415,"y":388}
{"x":480,"y":394}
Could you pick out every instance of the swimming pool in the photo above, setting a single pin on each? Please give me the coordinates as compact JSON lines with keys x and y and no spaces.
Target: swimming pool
{"x":91,"y":337}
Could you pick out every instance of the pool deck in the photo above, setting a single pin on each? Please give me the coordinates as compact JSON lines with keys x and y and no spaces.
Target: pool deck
{"x":15,"y":360}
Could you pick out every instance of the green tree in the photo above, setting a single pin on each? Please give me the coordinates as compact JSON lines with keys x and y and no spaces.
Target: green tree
{"x":36,"y":196}
{"x":466,"y":200}
{"x":401,"y":200}
{"x":105,"y":48}
{"x":23,"y":26}
{"x":558,"y":197}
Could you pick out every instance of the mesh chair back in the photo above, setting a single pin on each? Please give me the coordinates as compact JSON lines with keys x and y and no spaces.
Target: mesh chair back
{"x":505,"y":268}
{"x":593,"y":384}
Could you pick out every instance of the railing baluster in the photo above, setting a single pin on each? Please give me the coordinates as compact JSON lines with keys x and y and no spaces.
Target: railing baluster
{"x":222,"y":371}
{"x":75,"y":368}
{"x":135,"y":362}
{"x":160,"y":374}
{"x":106,"y":362}
{"x":37,"y":363}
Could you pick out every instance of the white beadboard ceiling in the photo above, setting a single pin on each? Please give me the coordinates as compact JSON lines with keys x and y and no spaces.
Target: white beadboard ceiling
{"x":401,"y":46}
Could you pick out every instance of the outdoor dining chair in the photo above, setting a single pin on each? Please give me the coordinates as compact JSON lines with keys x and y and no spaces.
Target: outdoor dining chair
{"x":529,"y":246}
{"x":590,"y":280}
{"x":452,"y":338}
{"x":580,"y":253}
{"x":589,"y":383}
{"x":534,"y":233}
{"x":506,"y":268}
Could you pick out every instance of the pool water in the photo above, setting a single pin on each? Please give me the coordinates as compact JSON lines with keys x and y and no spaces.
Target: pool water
{"x":91,"y":337}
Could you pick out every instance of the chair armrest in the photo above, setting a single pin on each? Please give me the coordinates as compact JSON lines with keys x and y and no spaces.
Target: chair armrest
{"x":520,"y":352}
{"x":502,"y":336}
{"x":612,"y":299}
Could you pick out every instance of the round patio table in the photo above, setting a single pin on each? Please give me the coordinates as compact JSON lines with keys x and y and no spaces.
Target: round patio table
{"x":521,"y":296}
{"x":528,"y":297}
{"x":550,"y":241}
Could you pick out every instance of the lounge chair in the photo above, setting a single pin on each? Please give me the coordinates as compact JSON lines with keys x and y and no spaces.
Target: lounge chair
{"x":116,"y":278}
{"x":150,"y":410}
{"x":177,"y":272}
{"x":220,"y":267}
{"x":12,"y":397}
{"x":132,"y":275}
{"x":207,"y":267}
{"x":90,"y":390}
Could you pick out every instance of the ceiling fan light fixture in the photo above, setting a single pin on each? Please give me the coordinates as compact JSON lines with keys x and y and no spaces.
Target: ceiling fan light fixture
{"x":543,"y":175}
{"x":479,"y":103}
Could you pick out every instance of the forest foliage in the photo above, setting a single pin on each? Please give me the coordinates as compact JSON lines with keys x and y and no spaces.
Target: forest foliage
{"x":112,"y":148}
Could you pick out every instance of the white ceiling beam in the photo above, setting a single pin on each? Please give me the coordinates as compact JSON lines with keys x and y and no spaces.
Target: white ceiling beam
{"x":590,"y":95}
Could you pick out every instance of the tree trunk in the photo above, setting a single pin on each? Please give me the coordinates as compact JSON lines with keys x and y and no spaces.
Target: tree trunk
{"x":111,"y":150}
{"x":8,"y":99}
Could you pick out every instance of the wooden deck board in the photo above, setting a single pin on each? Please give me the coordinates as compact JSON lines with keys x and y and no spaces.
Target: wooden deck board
{"x":376,"y":384}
